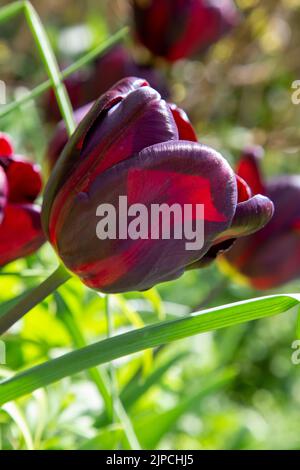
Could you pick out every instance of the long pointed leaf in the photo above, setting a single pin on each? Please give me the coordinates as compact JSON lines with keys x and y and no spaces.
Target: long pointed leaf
{"x":138,"y":340}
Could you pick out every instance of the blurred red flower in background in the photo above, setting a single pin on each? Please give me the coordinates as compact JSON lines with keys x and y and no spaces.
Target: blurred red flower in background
{"x":176,"y":29}
{"x":270,"y":257}
{"x":20,"y":225}
{"x":84,"y":87}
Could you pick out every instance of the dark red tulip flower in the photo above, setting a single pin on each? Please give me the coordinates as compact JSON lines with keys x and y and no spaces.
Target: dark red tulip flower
{"x":130,"y":145}
{"x":20,"y":225}
{"x":270,"y":257}
{"x":175,"y":29}
{"x":84,"y":87}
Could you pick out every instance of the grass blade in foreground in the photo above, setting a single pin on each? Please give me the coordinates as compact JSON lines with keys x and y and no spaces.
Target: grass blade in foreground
{"x":138,"y":340}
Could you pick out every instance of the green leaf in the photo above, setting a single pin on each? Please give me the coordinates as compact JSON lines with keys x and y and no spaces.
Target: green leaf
{"x":144,"y":338}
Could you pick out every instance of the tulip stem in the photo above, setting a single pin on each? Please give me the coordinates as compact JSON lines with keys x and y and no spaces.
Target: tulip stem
{"x":33,"y":298}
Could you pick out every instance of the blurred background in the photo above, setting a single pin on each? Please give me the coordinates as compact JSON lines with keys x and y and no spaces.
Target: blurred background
{"x":233,"y":389}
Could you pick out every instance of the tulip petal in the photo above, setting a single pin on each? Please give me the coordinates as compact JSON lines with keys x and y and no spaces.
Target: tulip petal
{"x":171,"y":172}
{"x":244,"y":192}
{"x":249,"y":169}
{"x":3,"y":193}
{"x":69,"y":159}
{"x":267,"y":265}
{"x":24,"y":179}
{"x":6,"y":148}
{"x":207,"y":22}
{"x":271,"y":257}
{"x":141,"y":120}
{"x":250,"y":216}
{"x":20,"y":232}
{"x":284,"y":192}
{"x":185,"y":128}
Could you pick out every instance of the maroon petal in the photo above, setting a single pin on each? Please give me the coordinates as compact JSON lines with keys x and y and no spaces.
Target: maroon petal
{"x":6,"y":148}
{"x":206,"y":22}
{"x":249,"y":169}
{"x":268,"y":264}
{"x":171,"y":172}
{"x":271,"y":256}
{"x":244,"y":191}
{"x":176,"y":29}
{"x":70,"y":157}
{"x":3,"y":193}
{"x":185,"y":128}
{"x":20,"y":232}
{"x":285,"y":193}
{"x":250,"y":216}
{"x":24,"y":179}
{"x":140,"y":120}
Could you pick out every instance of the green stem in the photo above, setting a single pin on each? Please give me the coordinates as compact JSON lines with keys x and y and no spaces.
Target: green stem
{"x":33,"y":298}
{"x":50,"y":63}
{"x":87,"y":58}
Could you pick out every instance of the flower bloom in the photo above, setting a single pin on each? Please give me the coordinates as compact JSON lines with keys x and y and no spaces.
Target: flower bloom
{"x":131,"y":143}
{"x":84,"y":87}
{"x":175,"y":29}
{"x":270,"y":257}
{"x":20,"y":225}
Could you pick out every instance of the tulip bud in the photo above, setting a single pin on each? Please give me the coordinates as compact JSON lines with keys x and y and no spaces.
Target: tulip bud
{"x":129,"y":146}
{"x":271,"y":257}
{"x":20,"y":225}
{"x":175,"y":29}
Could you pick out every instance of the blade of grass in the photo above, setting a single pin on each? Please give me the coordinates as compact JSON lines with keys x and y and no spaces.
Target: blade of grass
{"x":50,"y":63}
{"x":18,"y":417}
{"x":138,"y":340}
